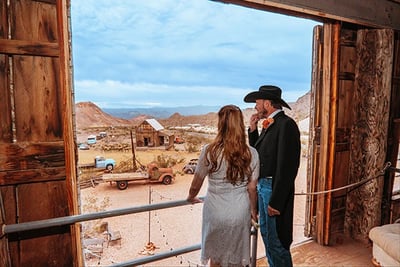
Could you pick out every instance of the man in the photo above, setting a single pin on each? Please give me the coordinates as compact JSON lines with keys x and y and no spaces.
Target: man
{"x":278,"y":146}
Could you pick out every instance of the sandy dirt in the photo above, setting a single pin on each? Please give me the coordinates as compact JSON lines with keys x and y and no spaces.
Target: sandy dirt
{"x":168,"y":229}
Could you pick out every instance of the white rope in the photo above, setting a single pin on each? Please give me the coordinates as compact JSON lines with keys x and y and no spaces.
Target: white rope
{"x":356,"y":184}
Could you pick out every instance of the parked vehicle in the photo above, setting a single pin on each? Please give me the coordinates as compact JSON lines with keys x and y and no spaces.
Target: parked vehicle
{"x":91,"y":140}
{"x":190,"y":167}
{"x":179,"y":140}
{"x":100,"y":163}
{"x":83,"y":147}
{"x":152,"y":174}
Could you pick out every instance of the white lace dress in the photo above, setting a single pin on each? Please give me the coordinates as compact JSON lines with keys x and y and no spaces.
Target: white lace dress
{"x":226,"y":216}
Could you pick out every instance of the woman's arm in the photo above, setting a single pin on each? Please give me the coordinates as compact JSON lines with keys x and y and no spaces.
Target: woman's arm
{"x":195,"y":187}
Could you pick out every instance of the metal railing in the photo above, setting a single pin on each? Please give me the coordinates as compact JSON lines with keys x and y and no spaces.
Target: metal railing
{"x":68,"y":220}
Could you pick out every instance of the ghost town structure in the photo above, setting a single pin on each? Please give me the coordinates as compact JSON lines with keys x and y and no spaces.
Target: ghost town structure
{"x":355,"y":123}
{"x":150,"y":133}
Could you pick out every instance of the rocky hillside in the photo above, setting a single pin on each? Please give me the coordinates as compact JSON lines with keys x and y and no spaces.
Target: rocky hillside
{"x":88,"y":115}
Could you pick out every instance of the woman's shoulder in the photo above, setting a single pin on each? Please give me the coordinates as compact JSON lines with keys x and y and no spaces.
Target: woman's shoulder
{"x":204,"y":148}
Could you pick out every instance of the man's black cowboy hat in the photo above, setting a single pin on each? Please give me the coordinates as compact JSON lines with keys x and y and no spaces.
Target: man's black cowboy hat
{"x":269,"y":92}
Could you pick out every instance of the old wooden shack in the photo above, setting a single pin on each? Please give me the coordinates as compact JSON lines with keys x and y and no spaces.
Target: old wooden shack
{"x":355,"y":122}
{"x":150,"y":133}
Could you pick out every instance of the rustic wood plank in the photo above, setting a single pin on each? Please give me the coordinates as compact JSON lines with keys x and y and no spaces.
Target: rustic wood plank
{"x":375,"y":13}
{"x":345,"y":109}
{"x":5,"y":259}
{"x":38,"y":105}
{"x":42,"y":154}
{"x":33,"y":21}
{"x":10,"y":217}
{"x":30,"y":176}
{"x":328,"y":129}
{"x":31,"y":162}
{"x":314,"y":138}
{"x":341,"y":173}
{"x":3,"y":20}
{"x":69,"y":131}
{"x":5,"y":107}
{"x":347,"y":63}
{"x":53,"y":2}
{"x":56,"y":240}
{"x":22,"y":47}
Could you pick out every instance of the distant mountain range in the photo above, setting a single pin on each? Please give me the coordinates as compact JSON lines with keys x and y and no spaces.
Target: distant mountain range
{"x":160,"y":112}
{"x":88,"y":115}
{"x":166,"y":112}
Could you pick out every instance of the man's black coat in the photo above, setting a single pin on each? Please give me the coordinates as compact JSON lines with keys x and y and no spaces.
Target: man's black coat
{"x":279,"y":152}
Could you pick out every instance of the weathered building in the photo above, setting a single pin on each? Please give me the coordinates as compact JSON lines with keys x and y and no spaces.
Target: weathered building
{"x":150,"y":133}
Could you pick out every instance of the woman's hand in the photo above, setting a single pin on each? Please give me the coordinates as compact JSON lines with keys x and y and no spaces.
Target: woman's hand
{"x":194,"y":200}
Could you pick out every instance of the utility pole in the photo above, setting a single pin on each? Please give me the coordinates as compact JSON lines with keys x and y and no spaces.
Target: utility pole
{"x":133,"y":153}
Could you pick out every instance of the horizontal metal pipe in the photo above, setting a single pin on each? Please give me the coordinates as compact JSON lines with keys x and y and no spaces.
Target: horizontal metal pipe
{"x":176,"y":252}
{"x":67,"y":220}
{"x":159,"y":256}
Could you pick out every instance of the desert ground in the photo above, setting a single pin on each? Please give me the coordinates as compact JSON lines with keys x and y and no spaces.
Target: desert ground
{"x":167,"y":229}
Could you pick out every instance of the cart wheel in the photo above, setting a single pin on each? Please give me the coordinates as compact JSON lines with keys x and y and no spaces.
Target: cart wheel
{"x":167,"y":180}
{"x":122,"y":185}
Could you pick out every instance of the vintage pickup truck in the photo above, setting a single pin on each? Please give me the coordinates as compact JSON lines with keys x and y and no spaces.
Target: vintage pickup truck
{"x":100,"y":163}
{"x":151,"y":174}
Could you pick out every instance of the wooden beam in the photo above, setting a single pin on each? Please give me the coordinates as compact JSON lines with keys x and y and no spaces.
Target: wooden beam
{"x":32,"y":176}
{"x":68,"y":113}
{"x":20,"y":47}
{"x":371,"y":13}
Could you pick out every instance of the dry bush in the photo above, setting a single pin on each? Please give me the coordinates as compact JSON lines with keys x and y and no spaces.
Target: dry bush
{"x":194,"y":143}
{"x":164,"y":161}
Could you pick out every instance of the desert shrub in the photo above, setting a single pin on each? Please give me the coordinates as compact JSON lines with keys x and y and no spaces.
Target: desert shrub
{"x":164,"y":161}
{"x":191,"y":148}
{"x":195,"y":142}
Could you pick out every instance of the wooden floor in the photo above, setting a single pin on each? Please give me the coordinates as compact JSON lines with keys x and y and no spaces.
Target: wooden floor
{"x":309,"y":253}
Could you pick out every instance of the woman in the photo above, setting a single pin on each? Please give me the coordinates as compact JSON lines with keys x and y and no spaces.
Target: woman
{"x":232,"y":168}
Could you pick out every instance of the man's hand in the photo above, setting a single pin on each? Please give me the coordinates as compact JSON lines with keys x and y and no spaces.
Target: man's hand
{"x":272,"y":211}
{"x":253,"y":121}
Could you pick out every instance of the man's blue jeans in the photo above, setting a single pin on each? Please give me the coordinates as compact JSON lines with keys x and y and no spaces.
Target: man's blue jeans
{"x":277,"y":255}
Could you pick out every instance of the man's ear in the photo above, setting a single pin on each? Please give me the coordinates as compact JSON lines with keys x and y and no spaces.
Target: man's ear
{"x":266,"y":104}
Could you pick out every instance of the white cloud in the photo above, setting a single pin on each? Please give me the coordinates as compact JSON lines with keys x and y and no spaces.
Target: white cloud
{"x":141,"y":49}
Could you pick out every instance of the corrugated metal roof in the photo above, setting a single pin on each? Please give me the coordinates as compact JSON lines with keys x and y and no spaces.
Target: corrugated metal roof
{"x":155,"y":124}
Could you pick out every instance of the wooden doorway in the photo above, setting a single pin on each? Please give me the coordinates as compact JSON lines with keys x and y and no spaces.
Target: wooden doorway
{"x":351,"y":77}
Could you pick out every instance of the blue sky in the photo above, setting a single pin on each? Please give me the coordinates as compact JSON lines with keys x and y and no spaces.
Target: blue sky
{"x":169,"y":53}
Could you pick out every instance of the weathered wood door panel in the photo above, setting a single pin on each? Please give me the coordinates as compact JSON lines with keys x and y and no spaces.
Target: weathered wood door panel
{"x":339,"y":127}
{"x":37,"y":152}
{"x":37,"y":112}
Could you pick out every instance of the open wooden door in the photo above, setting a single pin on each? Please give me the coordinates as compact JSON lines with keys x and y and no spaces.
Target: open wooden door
{"x":350,"y":96}
{"x":37,"y":148}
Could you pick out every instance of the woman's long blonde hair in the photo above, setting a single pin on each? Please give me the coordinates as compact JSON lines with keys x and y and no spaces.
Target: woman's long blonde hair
{"x":230,"y":143}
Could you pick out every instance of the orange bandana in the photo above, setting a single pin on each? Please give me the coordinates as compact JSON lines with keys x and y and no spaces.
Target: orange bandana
{"x":267,"y":122}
